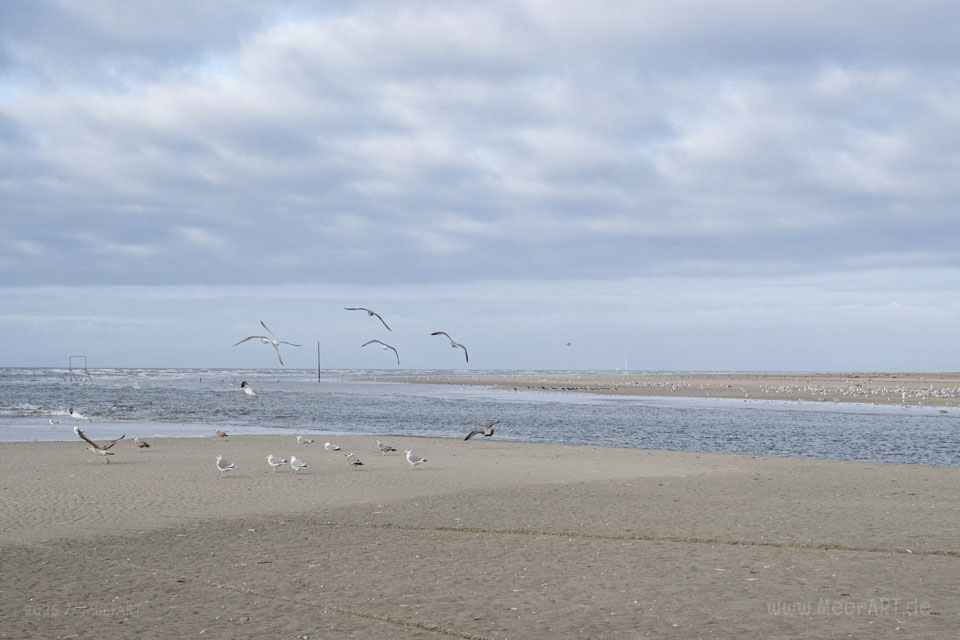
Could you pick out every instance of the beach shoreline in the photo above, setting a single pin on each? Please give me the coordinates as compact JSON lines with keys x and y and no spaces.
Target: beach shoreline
{"x":488,"y":539}
{"x":910,"y":389}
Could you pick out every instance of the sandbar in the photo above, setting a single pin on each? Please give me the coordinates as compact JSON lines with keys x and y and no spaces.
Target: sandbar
{"x":912,"y":389}
{"x":488,"y":539}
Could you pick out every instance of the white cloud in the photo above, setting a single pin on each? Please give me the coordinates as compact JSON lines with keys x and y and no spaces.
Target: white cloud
{"x":201,"y":237}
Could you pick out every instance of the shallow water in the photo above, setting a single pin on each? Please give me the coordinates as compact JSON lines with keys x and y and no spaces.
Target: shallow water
{"x":194,"y":402}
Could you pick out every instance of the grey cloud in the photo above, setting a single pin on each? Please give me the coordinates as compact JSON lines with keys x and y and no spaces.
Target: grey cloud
{"x":432,"y":143}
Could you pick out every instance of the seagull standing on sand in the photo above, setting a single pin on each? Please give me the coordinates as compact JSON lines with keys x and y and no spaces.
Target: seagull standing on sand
{"x":247,"y":389}
{"x":96,"y":448}
{"x":485,"y":431}
{"x":141,"y":444}
{"x":275,"y":461}
{"x":76,"y":415}
{"x":384,"y":448}
{"x":329,"y":446}
{"x":354,"y":461}
{"x":297,"y":464}
{"x":272,"y":340}
{"x":220,"y":434}
{"x":414,"y":460}
{"x":369,"y":313}
{"x":303,"y":440}
{"x":224,"y":465}
{"x":453,"y":343}
{"x":385,"y":347}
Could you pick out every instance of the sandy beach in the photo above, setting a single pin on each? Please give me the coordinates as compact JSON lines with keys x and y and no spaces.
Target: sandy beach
{"x":930,"y":389}
{"x":488,"y":539}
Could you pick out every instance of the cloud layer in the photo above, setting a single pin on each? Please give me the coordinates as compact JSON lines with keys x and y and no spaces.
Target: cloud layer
{"x":448,"y":144}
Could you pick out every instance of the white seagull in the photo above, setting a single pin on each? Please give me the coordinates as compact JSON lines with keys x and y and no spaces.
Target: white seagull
{"x":414,"y":460}
{"x":272,"y":340}
{"x":141,"y":444}
{"x":224,"y":465}
{"x":96,"y":448}
{"x":303,"y":440}
{"x":52,"y":421}
{"x":453,"y":343}
{"x":486,"y":430}
{"x":369,"y":313}
{"x":297,"y":464}
{"x":385,"y":346}
{"x":275,"y":461}
{"x":247,"y":389}
{"x":76,"y":415}
{"x":329,"y":446}
{"x":354,"y":461}
{"x":384,"y":448}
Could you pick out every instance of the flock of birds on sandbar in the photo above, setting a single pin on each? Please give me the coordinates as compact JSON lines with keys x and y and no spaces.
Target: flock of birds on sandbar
{"x":274,"y":461}
{"x":224,"y":465}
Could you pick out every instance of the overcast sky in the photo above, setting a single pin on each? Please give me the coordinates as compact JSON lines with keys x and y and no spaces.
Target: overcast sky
{"x":688,"y":185}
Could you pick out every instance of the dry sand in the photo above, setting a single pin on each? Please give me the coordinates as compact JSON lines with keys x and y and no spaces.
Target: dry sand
{"x":930,"y":389}
{"x":488,"y":539}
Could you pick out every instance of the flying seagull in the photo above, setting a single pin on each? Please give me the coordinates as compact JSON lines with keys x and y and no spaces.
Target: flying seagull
{"x":247,"y":389}
{"x":329,"y":446}
{"x":272,"y":340}
{"x":224,"y":465}
{"x":275,"y":461}
{"x":485,"y":431}
{"x":414,"y":460}
{"x":76,"y":415}
{"x":141,"y":444}
{"x":452,"y":343}
{"x":369,"y":313}
{"x":96,"y":448}
{"x":297,"y":464}
{"x":384,"y":448}
{"x":385,"y":347}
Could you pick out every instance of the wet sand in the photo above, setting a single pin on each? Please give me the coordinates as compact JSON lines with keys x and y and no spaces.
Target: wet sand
{"x":930,"y":389}
{"x":488,"y":539}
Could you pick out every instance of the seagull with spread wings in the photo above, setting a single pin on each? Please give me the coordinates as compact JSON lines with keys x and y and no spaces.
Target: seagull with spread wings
{"x":76,"y":415}
{"x":485,"y":431}
{"x":369,"y":313}
{"x":272,"y":340}
{"x":453,"y":343}
{"x":385,"y":346}
{"x":247,"y":389}
{"x":96,"y":448}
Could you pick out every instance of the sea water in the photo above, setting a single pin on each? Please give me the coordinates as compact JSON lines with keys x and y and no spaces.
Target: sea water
{"x":195,"y":402}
